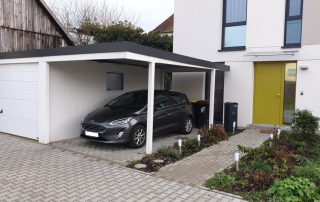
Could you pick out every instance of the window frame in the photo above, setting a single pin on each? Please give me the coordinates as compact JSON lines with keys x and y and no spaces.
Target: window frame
{"x":292,"y":18}
{"x":232,"y":24}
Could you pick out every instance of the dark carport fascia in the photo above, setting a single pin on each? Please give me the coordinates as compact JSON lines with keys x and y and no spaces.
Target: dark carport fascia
{"x":113,"y":48}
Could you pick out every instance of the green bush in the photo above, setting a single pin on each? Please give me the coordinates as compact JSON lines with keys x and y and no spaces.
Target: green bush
{"x":311,"y":172}
{"x":169,"y":152}
{"x":221,"y":181}
{"x":293,"y":189}
{"x":260,"y":166}
{"x":190,"y":145}
{"x":305,"y":124}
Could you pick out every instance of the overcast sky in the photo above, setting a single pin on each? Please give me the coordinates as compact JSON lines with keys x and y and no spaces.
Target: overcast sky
{"x":150,"y":13}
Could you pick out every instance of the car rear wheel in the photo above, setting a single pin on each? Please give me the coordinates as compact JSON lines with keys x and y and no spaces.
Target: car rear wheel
{"x":187,"y":126}
{"x":138,"y":137}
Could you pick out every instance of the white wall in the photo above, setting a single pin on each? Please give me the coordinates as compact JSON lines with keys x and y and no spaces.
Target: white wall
{"x":265,"y":23}
{"x":308,"y":82}
{"x":77,"y":88}
{"x":239,"y":88}
{"x":192,"y":84}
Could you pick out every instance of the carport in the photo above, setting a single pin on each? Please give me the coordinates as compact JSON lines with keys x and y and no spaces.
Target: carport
{"x":42,"y":66}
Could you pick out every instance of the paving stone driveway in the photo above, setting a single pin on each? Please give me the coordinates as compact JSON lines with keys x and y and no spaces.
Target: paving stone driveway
{"x":119,"y":154}
{"x":33,"y":172}
{"x":196,"y":169}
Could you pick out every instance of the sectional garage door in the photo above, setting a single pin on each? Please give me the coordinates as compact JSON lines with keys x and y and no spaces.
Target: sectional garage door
{"x":19,"y":100}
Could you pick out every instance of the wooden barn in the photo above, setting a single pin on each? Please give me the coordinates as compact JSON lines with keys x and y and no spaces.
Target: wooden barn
{"x":29,"y":24}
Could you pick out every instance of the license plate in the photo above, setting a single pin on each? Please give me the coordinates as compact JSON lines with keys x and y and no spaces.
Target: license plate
{"x":91,"y":134}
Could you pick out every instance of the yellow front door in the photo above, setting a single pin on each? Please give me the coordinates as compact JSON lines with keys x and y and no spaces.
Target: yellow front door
{"x":268,"y":93}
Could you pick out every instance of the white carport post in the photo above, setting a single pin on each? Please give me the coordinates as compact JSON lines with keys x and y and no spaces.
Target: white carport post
{"x":151,"y":78}
{"x":44,"y":102}
{"x":212,"y":91}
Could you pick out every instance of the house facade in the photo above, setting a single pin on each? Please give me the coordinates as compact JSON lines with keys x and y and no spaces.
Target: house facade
{"x":29,"y":24}
{"x":271,"y":46}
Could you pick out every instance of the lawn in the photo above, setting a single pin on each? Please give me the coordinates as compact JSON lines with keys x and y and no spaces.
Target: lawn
{"x":286,"y":170}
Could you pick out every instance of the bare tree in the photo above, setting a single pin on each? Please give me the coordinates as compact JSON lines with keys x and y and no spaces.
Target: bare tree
{"x":75,"y":15}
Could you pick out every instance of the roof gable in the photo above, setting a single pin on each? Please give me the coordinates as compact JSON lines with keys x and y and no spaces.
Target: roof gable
{"x":167,"y":26}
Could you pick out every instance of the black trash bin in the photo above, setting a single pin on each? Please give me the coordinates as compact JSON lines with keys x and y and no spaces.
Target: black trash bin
{"x":231,"y":116}
{"x":201,"y":114}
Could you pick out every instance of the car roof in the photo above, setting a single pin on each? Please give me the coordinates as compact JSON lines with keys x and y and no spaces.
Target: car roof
{"x":157,"y":92}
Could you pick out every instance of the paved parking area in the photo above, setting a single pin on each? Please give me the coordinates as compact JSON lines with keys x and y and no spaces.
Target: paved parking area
{"x":196,"y":169}
{"x":119,"y":154}
{"x":33,"y":172}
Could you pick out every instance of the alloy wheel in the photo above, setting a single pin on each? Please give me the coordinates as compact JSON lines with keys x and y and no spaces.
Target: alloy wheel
{"x":139,"y":136}
{"x":188,"y":125}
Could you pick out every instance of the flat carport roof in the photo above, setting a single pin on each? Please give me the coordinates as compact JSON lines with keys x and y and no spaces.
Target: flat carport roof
{"x":117,"y":52}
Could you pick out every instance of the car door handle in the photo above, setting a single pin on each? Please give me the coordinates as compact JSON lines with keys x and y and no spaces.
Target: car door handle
{"x":1,"y":111}
{"x":279,"y":94}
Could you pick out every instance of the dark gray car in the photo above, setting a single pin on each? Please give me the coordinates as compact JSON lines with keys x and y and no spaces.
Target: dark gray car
{"x":124,"y":119}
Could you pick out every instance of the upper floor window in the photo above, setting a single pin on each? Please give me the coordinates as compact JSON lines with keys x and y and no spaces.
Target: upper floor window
{"x":293,"y":23}
{"x":234,"y":24}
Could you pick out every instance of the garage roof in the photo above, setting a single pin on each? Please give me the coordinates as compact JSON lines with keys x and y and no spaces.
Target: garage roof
{"x":116,"y":47}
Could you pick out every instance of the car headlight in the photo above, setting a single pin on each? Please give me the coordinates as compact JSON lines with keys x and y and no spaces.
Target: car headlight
{"x":120,"y":121}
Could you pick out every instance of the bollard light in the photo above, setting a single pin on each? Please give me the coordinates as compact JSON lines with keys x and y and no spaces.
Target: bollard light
{"x":199,"y":139}
{"x":234,"y":127}
{"x":237,"y":156}
{"x":278,"y":132}
{"x":180,"y":145}
{"x":271,"y":139}
{"x":237,"y":159}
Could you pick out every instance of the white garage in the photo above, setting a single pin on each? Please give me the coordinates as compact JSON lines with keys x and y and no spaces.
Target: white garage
{"x":19,"y":99}
{"x":44,"y":94}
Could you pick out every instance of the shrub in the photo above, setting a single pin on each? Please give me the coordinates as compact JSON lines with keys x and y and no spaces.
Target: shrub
{"x":258,"y":180}
{"x":293,"y":189}
{"x":219,"y":132}
{"x":190,"y":145}
{"x":214,"y":135}
{"x":305,"y":124}
{"x":311,"y":172}
{"x":301,"y":160}
{"x":260,"y":166}
{"x":169,"y":152}
{"x":221,"y":181}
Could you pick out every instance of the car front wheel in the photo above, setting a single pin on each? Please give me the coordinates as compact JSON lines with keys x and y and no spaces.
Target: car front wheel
{"x":187,"y":126}
{"x":138,"y":137}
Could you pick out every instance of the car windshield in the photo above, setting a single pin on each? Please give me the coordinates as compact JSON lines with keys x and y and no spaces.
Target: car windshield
{"x":132,"y":100}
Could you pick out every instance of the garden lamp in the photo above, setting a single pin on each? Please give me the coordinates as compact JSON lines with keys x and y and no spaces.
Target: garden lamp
{"x":180,"y":145}
{"x":237,"y":159}
{"x":199,"y":139}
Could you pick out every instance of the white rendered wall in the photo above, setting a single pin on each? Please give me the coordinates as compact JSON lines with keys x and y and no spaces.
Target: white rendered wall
{"x":308,"y":83}
{"x":77,"y":88}
{"x":239,"y":88}
{"x":192,"y":84}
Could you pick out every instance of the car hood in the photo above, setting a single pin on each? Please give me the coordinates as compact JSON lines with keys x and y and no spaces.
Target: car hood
{"x":108,"y":114}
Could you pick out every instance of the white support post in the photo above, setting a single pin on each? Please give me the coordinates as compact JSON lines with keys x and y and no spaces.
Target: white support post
{"x":212,"y":91}
{"x":151,"y":78}
{"x":44,"y":102}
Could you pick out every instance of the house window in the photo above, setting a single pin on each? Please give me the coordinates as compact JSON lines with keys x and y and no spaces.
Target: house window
{"x":293,"y":23}
{"x":234,"y":24}
{"x":114,"y":81}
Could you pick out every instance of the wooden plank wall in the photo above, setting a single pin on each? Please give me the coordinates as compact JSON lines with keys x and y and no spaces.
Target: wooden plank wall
{"x":25,"y":25}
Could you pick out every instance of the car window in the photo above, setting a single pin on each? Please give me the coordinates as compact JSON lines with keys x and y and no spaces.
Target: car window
{"x":133,"y":100}
{"x":180,"y":99}
{"x":163,"y":101}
